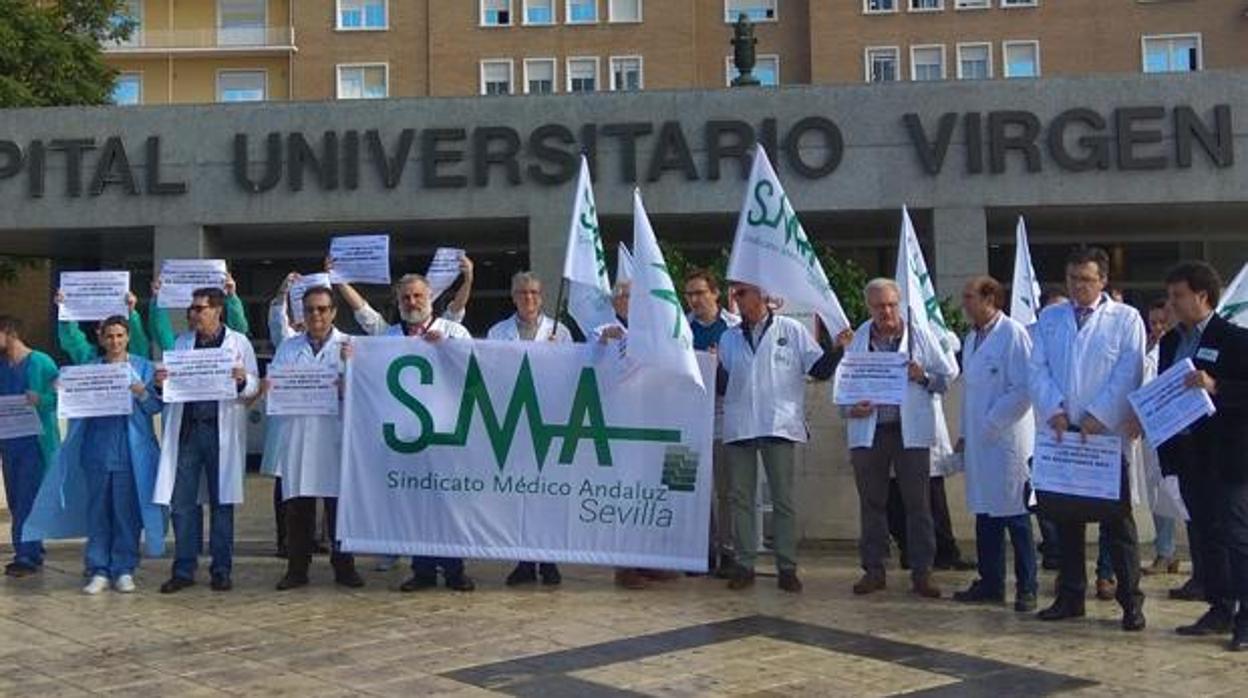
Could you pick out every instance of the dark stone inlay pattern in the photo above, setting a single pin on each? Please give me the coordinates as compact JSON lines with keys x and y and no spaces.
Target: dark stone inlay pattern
{"x":547,"y":675}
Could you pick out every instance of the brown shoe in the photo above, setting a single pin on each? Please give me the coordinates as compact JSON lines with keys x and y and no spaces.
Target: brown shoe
{"x":923,"y":586}
{"x":1160,"y":566}
{"x":1106,"y":589}
{"x":741,"y":579}
{"x":1173,"y":566}
{"x":870,"y":582}
{"x":630,"y":578}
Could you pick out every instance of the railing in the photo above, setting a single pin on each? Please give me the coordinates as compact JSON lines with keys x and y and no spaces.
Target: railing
{"x":193,"y":39}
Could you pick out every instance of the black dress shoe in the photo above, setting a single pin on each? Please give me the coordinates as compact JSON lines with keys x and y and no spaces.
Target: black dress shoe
{"x":349,"y":578}
{"x":290,"y":581}
{"x":1062,"y":609}
{"x":1025,"y":602}
{"x":1216,"y":621}
{"x":1190,"y":591}
{"x":176,"y":584}
{"x":1050,"y":562}
{"x":19,"y":570}
{"x":956,"y":564}
{"x":789,"y":582}
{"x":460,"y":582}
{"x":221,"y":582}
{"x":978,"y":593}
{"x":725,"y":568}
{"x":1239,"y":639}
{"x":1133,"y":620}
{"x":550,"y":574}
{"x":524,"y":573}
{"x":418,"y":582}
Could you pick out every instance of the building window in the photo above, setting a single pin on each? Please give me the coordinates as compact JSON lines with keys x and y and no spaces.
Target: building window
{"x":1019,"y":3}
{"x":582,"y":11}
{"x":539,"y":11}
{"x":754,"y":10}
{"x":128,"y":90}
{"x":927,"y":5}
{"x":766,"y":69}
{"x":582,"y":74}
{"x":882,"y":64}
{"x":1179,"y":53}
{"x":369,"y":81}
{"x":623,"y":10}
{"x":241,"y":22}
{"x":927,"y":62}
{"x":496,"y":77}
{"x":1021,"y":59}
{"x":362,"y":14}
{"x":242,"y":85}
{"x":539,"y":76}
{"x":130,"y":12}
{"x":972,"y":4}
{"x":626,"y":73}
{"x":974,"y":61}
{"x":495,"y":13}
{"x":879,"y":7}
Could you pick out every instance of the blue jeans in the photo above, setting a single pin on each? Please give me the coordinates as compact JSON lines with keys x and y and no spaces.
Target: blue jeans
{"x":427,"y":567}
{"x":199,"y":457}
{"x":990,"y":546}
{"x":1164,"y":542}
{"x":23,"y":471}
{"x":113,"y":523}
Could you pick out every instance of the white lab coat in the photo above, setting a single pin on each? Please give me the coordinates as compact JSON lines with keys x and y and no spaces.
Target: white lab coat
{"x":509,"y":330}
{"x":998,"y":430}
{"x":1089,"y":370}
{"x":920,"y":427}
{"x":766,"y":393}
{"x":374,"y":324}
{"x":306,"y":451}
{"x":231,"y":423}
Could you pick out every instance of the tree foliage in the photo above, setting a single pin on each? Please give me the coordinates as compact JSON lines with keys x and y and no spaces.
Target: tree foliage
{"x":50,"y":51}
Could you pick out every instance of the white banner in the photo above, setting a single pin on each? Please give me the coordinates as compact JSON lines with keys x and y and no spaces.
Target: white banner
{"x":1165,"y":406}
{"x":361,"y":259}
{"x":878,"y":377}
{"x":770,"y":249}
{"x":179,"y":278}
{"x":18,"y":418}
{"x":301,"y":389}
{"x":94,"y":390}
{"x":301,"y":286}
{"x":585,"y":261}
{"x":1025,"y":289}
{"x":523,"y":451}
{"x":443,"y":270}
{"x":1075,"y":466}
{"x":93,"y":295}
{"x":199,"y":375}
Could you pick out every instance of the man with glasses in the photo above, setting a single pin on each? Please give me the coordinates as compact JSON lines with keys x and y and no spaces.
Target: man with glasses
{"x":530,"y":324}
{"x":205,"y":442}
{"x":1088,"y":356}
{"x":306,"y":450}
{"x":416,"y":320}
{"x":763,"y":365}
{"x":709,"y":322}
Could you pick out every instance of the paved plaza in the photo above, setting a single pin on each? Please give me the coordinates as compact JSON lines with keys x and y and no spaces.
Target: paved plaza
{"x":682,"y":638}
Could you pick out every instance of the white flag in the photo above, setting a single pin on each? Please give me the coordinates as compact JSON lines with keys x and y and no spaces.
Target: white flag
{"x":658,"y":332}
{"x":1025,"y":290}
{"x":623,"y":264}
{"x":585,"y":263}
{"x":918,"y":295}
{"x":770,"y":249}
{"x":1234,"y":303}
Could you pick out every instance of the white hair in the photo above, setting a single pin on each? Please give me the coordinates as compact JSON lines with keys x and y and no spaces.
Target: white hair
{"x":408,"y":279}
{"x":524,"y":278}
{"x":879,"y":284}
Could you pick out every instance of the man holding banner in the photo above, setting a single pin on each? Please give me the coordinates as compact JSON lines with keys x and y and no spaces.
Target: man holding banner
{"x":897,"y":437}
{"x":1088,"y":356}
{"x":416,"y":320}
{"x":1211,"y":456}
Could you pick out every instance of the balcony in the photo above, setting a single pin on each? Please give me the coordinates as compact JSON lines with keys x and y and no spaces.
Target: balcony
{"x":212,"y":41}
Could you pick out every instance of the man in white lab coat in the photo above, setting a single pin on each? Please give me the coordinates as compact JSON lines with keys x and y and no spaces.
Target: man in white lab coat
{"x":416,"y":320}
{"x":1088,"y":356}
{"x":205,"y":442}
{"x":305,"y":450}
{"x":892,"y":438}
{"x":998,"y":433}
{"x":530,"y":324}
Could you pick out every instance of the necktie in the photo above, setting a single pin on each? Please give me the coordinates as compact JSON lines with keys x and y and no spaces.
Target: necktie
{"x":979,"y":336}
{"x":1082,"y":314}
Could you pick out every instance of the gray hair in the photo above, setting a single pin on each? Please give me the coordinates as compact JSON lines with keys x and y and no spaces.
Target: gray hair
{"x":524,"y":278}
{"x":408,"y":279}
{"x":881,"y":283}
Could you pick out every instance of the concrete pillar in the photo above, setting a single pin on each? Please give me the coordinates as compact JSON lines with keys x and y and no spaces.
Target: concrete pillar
{"x":548,"y":230}
{"x":181,"y":241}
{"x":961,"y":248}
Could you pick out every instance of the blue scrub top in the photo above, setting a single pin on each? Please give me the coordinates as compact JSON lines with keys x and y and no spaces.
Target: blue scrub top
{"x":108,"y":444}
{"x":13,"y":382}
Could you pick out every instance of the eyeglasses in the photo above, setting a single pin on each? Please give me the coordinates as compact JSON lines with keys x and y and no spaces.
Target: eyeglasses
{"x":317,"y":309}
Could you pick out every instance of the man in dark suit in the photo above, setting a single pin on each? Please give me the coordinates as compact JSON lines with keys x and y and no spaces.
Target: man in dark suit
{"x":1211,"y":456}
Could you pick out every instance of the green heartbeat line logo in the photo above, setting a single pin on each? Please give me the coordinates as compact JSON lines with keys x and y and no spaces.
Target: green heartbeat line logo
{"x":586,"y":421}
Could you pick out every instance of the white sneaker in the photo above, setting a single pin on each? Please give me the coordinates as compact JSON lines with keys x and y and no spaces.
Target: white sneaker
{"x":124,"y":584}
{"x":97,"y":584}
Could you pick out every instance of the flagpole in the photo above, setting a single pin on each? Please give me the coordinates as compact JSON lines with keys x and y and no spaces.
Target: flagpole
{"x":563,"y":284}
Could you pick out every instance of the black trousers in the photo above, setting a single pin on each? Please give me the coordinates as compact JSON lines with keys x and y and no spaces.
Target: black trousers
{"x":1124,"y":552}
{"x":1205,"y":496}
{"x":301,"y":535}
{"x":279,"y":513}
{"x":946,"y":545}
{"x":1235,"y":501}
